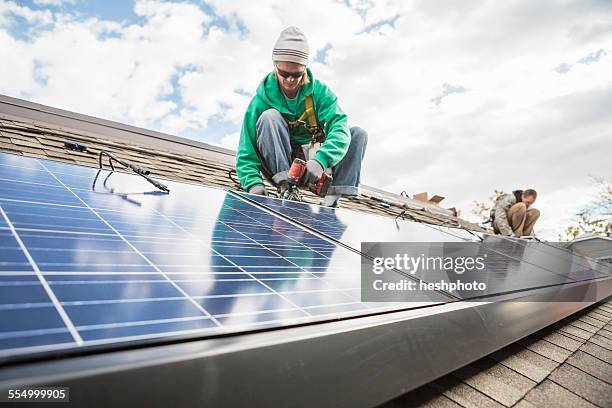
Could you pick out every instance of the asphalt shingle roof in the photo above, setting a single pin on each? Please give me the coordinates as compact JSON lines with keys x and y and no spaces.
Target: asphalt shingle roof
{"x":568,"y":364}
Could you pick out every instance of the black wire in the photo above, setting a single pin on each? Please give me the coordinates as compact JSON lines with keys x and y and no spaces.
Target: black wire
{"x":141,"y":172}
{"x":443,"y":222}
{"x":236,"y":183}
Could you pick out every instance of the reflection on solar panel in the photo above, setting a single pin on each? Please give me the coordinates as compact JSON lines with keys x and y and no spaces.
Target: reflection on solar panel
{"x":123,"y":263}
{"x":351,"y":227}
{"x":511,"y":264}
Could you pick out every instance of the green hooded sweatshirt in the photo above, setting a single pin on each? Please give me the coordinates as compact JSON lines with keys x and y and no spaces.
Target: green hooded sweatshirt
{"x":269,"y":95}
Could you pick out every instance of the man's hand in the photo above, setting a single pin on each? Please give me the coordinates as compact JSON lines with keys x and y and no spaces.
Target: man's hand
{"x":314,"y":171}
{"x":259,"y":189}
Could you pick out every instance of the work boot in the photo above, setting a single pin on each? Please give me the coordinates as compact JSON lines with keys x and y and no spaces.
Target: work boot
{"x":331,"y":200}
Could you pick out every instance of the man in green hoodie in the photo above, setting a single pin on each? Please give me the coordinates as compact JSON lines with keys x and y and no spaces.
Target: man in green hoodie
{"x":294,"y":115}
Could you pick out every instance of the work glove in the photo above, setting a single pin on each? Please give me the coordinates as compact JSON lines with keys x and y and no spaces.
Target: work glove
{"x":314,"y":171}
{"x":258,"y":189}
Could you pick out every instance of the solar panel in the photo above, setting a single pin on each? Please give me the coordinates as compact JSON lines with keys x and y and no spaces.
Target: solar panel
{"x":86,"y":265}
{"x":511,"y":266}
{"x":558,"y":260}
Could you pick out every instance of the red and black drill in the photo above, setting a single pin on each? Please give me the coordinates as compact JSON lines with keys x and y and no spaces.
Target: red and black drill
{"x":296,"y":174}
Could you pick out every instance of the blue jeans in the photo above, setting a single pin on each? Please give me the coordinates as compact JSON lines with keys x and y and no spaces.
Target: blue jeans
{"x":274,"y":146}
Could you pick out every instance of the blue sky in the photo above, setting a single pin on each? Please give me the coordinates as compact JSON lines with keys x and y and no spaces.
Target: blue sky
{"x":459,"y":98}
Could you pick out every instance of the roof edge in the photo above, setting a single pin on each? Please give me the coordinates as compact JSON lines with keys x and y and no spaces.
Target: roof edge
{"x":400,"y":200}
{"x":72,"y":121}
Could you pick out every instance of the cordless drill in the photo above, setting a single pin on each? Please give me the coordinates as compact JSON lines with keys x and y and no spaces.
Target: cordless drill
{"x":297,"y":172}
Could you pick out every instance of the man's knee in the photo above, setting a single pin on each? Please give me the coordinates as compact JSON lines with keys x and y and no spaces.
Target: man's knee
{"x":271,"y":129}
{"x":359,"y":136}
{"x":270,"y":117}
{"x":533,"y":213}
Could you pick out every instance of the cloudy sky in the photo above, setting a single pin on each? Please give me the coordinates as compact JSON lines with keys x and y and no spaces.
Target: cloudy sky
{"x":459,"y":97}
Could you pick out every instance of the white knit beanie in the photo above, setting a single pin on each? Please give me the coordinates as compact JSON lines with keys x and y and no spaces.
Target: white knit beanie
{"x":291,"y":46}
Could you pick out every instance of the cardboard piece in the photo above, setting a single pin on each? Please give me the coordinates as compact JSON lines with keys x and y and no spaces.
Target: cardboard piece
{"x":423,"y":197}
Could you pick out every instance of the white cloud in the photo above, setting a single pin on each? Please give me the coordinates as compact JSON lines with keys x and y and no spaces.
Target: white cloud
{"x":521,"y":122}
{"x":54,"y":3}
{"x":230,"y":141}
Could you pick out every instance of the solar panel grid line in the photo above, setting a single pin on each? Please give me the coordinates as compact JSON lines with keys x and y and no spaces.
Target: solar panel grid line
{"x":15,"y":306}
{"x":110,"y":282}
{"x":280,"y":255}
{"x":151,"y":336}
{"x":40,"y":332}
{"x":196,"y":304}
{"x":239,"y":197}
{"x":18,"y":273}
{"x":276,"y":245}
{"x":129,"y":273}
{"x":34,"y":349}
{"x":42,"y":203}
{"x":319,"y":290}
{"x":66,"y":232}
{"x":234,"y":264}
{"x":237,"y":314}
{"x":121,"y":301}
{"x":36,"y":183}
{"x":60,"y":310}
{"x":140,"y":323}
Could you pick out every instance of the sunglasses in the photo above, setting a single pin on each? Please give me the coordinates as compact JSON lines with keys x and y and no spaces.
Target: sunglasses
{"x":285,"y":74}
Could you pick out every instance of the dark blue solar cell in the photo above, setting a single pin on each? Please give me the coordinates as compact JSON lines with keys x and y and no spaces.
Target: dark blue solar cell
{"x":12,"y":190}
{"x":94,"y":277}
{"x":111,"y":291}
{"x":12,"y":256}
{"x":41,"y":339}
{"x":33,"y":318}
{"x":30,"y":292}
{"x":53,"y":217}
{"x":104,"y":313}
{"x":217,"y":287}
{"x":259,"y":261}
{"x":234,"y":250}
{"x":31,"y":277}
{"x":259,"y":269}
{"x":90,"y":267}
{"x":19,"y":162}
{"x":281,"y":275}
{"x":101,"y":256}
{"x":73,"y":242}
{"x":36,"y":175}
